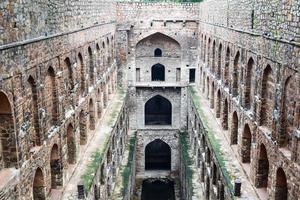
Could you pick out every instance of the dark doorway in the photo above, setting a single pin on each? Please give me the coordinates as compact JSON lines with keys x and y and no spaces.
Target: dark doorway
{"x":158,"y":111}
{"x":192,"y":75}
{"x":154,"y":189}
{"x":158,"y":72}
{"x":157,"y":156}
{"x":157,"y":52}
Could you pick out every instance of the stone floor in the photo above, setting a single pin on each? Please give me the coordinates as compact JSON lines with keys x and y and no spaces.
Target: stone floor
{"x":230,"y":153}
{"x":97,"y":140}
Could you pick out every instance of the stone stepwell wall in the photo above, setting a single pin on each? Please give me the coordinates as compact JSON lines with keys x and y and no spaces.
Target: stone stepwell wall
{"x":276,"y":18}
{"x":22,"y":20}
{"x":134,"y":11}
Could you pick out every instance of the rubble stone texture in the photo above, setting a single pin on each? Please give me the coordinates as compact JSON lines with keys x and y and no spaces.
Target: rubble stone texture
{"x":223,"y":71}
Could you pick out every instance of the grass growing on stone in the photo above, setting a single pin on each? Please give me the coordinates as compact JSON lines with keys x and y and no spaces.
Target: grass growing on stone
{"x":115,"y":112}
{"x":97,"y":156}
{"x":212,"y":139}
{"x":128,"y":168}
{"x":187,"y":161}
{"x":89,"y":174}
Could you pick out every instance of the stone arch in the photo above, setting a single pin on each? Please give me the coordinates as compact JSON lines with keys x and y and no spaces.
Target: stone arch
{"x":157,"y":155}
{"x":225,"y":115}
{"x":82,"y":128}
{"x":246,"y":144}
{"x":82,"y":74}
{"x":55,"y":167}
{"x":262,"y":172}
{"x":91,"y":115}
{"x":8,"y":155}
{"x":208,"y":51}
{"x":236,"y":75}
{"x":267,"y":90}
{"x":167,"y":44}
{"x":212,"y":98}
{"x":234,"y":128}
{"x":51,"y":96}
{"x":158,"y":72}
{"x":281,"y":188}
{"x":219,"y":61}
{"x":98,"y":59}
{"x":158,"y":111}
{"x":99,"y":106}
{"x":91,"y":66}
{"x":36,"y":137}
{"x":71,"y":145}
{"x":288,"y":112}
{"x":157,"y":52}
{"x":226,"y":69}
{"x":213,"y":57}
{"x":70,"y":82}
{"x":248,"y":84}
{"x":39,"y":186}
{"x":208,"y":89}
{"x":218,"y":104}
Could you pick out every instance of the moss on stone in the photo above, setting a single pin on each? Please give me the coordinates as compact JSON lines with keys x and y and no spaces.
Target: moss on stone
{"x":214,"y":142}
{"x":187,"y":161}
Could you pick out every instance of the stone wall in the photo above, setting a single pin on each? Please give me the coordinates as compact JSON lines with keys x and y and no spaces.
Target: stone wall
{"x":58,"y":87}
{"x":246,"y":76}
{"x":106,"y":175}
{"x":31,"y":19}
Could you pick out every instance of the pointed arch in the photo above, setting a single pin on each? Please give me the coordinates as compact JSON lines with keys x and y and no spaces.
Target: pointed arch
{"x":39,"y":187}
{"x":168,"y":45}
{"x":158,"y":111}
{"x":82,"y":74}
{"x":8,"y":154}
{"x":248,"y":84}
{"x":213,"y":57}
{"x":82,"y":128}
{"x":70,"y":82}
{"x":225,"y":115}
{"x":236,"y":75}
{"x":51,"y":94}
{"x":218,"y":104}
{"x":281,"y":189}
{"x":71,"y":144}
{"x":226,"y":69}
{"x":288,"y":112}
{"x":55,"y":167}
{"x":91,"y":114}
{"x":157,"y":156}
{"x":157,"y":52}
{"x":246,"y":144}
{"x":208,"y":87}
{"x":36,"y":137}
{"x":267,"y":90}
{"x":219,"y":61}
{"x":158,"y":72}
{"x":208,"y":51}
{"x":234,"y":128}
{"x":262,"y":173}
{"x":91,"y":66}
